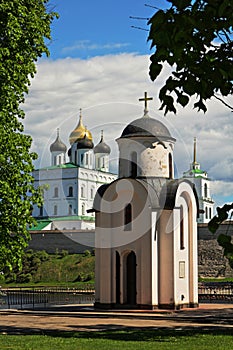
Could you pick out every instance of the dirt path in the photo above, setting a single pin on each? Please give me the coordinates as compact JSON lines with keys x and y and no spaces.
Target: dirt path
{"x":84,"y":318}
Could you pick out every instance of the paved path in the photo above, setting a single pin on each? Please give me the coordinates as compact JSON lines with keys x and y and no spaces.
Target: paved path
{"x":85,"y":318}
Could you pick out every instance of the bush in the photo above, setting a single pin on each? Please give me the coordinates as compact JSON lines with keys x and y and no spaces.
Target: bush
{"x":42,"y":255}
{"x":24,"y":278}
{"x":87,"y":253}
{"x":64,"y":253}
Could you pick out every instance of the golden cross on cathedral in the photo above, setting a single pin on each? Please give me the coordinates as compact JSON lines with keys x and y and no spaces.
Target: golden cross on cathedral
{"x":146,"y":99}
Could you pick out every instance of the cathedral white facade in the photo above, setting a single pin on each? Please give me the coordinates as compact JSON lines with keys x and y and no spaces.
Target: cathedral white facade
{"x":69,"y":187}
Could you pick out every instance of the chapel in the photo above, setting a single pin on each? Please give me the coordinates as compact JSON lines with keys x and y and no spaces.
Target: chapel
{"x":146,"y":225}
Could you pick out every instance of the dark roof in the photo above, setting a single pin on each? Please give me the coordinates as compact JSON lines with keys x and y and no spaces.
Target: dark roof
{"x":98,"y":197}
{"x":58,"y":146}
{"x":102,"y":147}
{"x":84,"y":143}
{"x":147,"y":126}
{"x":168,"y":193}
{"x":161,"y":191}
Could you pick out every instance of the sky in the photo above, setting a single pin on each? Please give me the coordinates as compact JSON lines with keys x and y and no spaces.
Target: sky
{"x":100,"y":63}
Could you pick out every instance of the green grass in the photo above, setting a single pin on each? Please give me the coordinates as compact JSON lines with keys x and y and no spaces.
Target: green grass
{"x":227,"y":279}
{"x":130,"y":339}
{"x":72,"y":270}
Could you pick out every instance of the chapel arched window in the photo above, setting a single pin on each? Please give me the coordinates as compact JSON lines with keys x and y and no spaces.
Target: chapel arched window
{"x":170,"y":166}
{"x":133,"y":165}
{"x":128,"y":217}
{"x":181,"y":228}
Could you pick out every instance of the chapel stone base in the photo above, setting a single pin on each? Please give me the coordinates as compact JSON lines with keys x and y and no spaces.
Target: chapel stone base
{"x":107,"y":306}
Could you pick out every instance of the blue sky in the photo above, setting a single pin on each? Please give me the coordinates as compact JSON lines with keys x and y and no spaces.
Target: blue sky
{"x":91,"y":28}
{"x":100,"y":63}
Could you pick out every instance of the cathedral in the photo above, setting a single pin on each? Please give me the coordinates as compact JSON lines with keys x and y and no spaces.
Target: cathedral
{"x":69,"y":187}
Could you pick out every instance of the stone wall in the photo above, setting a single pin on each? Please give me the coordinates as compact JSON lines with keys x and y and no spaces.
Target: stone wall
{"x":75,"y":242}
{"x":211,"y":262}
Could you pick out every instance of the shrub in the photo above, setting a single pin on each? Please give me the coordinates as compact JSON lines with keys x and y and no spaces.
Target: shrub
{"x":87,"y":253}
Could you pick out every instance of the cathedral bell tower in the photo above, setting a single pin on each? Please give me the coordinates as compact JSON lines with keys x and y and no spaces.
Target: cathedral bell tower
{"x":202,"y":183}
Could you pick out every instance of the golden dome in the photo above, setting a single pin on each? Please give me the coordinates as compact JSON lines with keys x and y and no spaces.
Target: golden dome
{"x":80,"y":132}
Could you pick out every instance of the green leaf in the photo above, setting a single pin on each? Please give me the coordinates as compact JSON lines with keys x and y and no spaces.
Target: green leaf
{"x":185,"y":36}
{"x":24,"y":26}
{"x":200,"y":106}
{"x":155,"y":70}
{"x":183,"y":100}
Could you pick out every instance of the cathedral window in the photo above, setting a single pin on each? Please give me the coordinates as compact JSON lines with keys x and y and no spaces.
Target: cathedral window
{"x":87,"y":159}
{"x":70,"y":194}
{"x":55,"y":192}
{"x":83,"y":209}
{"x":41,"y":210}
{"x":128,"y":217}
{"x":82,"y":191}
{"x":210,"y":213}
{"x":55,"y":210}
{"x":206,"y":212}
{"x":92,"y":193}
{"x":181,"y":228}
{"x":70,"y":209}
{"x":205,"y":191}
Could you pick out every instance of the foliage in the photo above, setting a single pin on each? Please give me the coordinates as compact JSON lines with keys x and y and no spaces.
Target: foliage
{"x":224,"y":240}
{"x":222,"y":215}
{"x":194,"y":38}
{"x":24,"y":27}
{"x":52,"y":269}
{"x":31,"y":262}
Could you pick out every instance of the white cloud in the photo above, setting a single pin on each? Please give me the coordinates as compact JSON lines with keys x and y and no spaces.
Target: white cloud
{"x":107,"y":88}
{"x":88,"y":45}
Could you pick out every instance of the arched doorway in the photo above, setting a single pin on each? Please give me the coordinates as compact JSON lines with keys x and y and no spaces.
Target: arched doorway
{"x":131,"y":279}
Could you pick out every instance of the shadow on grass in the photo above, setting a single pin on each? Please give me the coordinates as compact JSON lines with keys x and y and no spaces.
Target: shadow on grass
{"x":116,"y":332}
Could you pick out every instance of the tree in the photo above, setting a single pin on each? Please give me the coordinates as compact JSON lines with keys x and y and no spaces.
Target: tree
{"x":194,"y":38}
{"x":24,"y":27}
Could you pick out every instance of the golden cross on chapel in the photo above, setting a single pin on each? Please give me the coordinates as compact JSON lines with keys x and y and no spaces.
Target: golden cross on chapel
{"x":146,"y":99}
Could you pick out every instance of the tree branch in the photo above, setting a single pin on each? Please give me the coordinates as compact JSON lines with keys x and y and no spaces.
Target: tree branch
{"x":226,"y":104}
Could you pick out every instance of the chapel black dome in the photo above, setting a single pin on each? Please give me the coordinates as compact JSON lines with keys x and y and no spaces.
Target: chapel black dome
{"x":146,"y":126}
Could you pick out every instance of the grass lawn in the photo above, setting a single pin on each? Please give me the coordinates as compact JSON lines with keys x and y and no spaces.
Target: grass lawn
{"x":130,"y":339}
